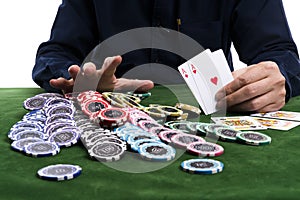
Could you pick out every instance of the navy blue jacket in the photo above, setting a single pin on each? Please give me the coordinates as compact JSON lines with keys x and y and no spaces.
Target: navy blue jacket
{"x":258,"y":29}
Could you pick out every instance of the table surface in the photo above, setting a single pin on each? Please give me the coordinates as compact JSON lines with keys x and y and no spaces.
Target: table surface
{"x":264,"y":172}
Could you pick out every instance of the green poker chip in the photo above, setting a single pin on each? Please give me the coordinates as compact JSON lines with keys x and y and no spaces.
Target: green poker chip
{"x":227,"y":134}
{"x":253,"y":138}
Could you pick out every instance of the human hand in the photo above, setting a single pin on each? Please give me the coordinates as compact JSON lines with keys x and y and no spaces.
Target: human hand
{"x":259,"y":88}
{"x":102,"y":80}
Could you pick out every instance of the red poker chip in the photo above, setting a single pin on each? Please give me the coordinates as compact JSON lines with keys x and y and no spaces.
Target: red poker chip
{"x":137,"y":118}
{"x":88,"y":95}
{"x":206,"y":149}
{"x":94,"y":106}
{"x":183,"y":139}
{"x":112,"y":115}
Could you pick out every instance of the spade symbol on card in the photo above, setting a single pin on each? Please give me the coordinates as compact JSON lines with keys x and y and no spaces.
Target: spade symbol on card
{"x":194,"y":70}
{"x":214,"y":80}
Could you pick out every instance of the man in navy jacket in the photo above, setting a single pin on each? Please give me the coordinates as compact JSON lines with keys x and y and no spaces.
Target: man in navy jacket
{"x":257,"y":28}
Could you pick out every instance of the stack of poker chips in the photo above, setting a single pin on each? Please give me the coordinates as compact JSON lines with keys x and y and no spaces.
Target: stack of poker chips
{"x":46,"y":128}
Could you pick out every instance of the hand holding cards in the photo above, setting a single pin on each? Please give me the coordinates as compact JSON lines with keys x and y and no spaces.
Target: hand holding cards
{"x":206,"y":74}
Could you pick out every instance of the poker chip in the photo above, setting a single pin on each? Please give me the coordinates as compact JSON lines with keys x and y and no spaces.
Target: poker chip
{"x":141,"y":95}
{"x":210,"y":128}
{"x":61,"y":117}
{"x":202,"y":166}
{"x":181,"y":126}
{"x":154,"y":112}
{"x":107,"y":151}
{"x":19,"y":145}
{"x":41,"y":149}
{"x":253,"y":138}
{"x":205,"y":149}
{"x":50,"y":95}
{"x":64,"y":138}
{"x":59,"y":172}
{"x":94,"y":106}
{"x":114,"y":100}
{"x":170,"y":111}
{"x":147,"y":125}
{"x":131,"y":102}
{"x":201,"y":128}
{"x":110,"y":117}
{"x":113,"y":139}
{"x":165,"y":136}
{"x":57,"y":109}
{"x":226,"y":134}
{"x":57,"y":101}
{"x":52,"y":128}
{"x":34,"y":103}
{"x":89,"y":143}
{"x":30,"y":134}
{"x":157,"y":152}
{"x":132,"y":138}
{"x":182,"y":140}
{"x":27,"y":125}
{"x":136,"y":144}
{"x":157,"y":130}
{"x":192,"y":111}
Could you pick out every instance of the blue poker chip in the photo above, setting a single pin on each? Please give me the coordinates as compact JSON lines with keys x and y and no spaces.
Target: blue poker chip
{"x":65,"y":137}
{"x":41,"y":149}
{"x":56,"y":101}
{"x":54,"y":127}
{"x":50,"y":95}
{"x":62,"y":117}
{"x":28,"y":124}
{"x":19,"y":145}
{"x":13,"y":132}
{"x":30,"y":134}
{"x":60,"y":108}
{"x":35,"y":118}
{"x":202,"y":166}
{"x":59,"y":172}
{"x":34,"y":103}
{"x":132,"y":138}
{"x":157,"y":152}
{"x":135,"y":145}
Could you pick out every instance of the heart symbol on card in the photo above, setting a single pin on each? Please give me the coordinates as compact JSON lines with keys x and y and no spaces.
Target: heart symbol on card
{"x":214,"y":80}
{"x":186,"y":75}
{"x":194,"y":69}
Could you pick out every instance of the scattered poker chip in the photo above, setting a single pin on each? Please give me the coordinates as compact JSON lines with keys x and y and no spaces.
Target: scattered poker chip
{"x":30,"y":134}
{"x":34,"y":103}
{"x":64,"y":138}
{"x":226,"y":134}
{"x":41,"y":149}
{"x":107,"y":151}
{"x":165,"y":136}
{"x":94,"y":106}
{"x":253,"y":138}
{"x":157,"y":152}
{"x":193,"y":112}
{"x":59,"y":172}
{"x":19,"y":145}
{"x":133,"y":138}
{"x":205,"y":149}
{"x":202,"y":166}
{"x":147,"y":125}
{"x":181,"y":126}
{"x":183,"y":140}
{"x":136,"y":144}
{"x":112,"y":115}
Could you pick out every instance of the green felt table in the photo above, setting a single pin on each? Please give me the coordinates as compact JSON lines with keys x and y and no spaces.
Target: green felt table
{"x":264,"y":172}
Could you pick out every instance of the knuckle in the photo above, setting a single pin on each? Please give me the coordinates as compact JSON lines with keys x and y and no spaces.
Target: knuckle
{"x":254,"y":105}
{"x":242,"y":80}
{"x":250,"y":90}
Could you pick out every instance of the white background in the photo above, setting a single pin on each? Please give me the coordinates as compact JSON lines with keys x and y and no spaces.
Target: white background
{"x":25,"y":24}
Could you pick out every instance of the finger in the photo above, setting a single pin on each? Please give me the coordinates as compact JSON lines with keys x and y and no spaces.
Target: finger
{"x":265,"y":103}
{"x":62,"y":84}
{"x":73,"y":71}
{"x":110,"y":65}
{"x":123,"y":84}
{"x":89,"y":70}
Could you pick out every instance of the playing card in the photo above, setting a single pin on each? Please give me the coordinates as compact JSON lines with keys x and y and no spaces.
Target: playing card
{"x":187,"y":76}
{"x":240,"y":122}
{"x":277,"y":124}
{"x":284,"y":115}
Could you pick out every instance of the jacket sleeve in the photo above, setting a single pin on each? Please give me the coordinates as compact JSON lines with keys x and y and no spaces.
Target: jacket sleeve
{"x":260,"y":32}
{"x":73,"y":36}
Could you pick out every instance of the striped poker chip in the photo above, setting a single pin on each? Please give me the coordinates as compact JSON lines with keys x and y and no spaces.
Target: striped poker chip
{"x":202,"y":166}
{"x":136,"y":144}
{"x":34,"y":103}
{"x":92,"y":106}
{"x":157,"y":130}
{"x":61,"y":117}
{"x":19,"y":145}
{"x":112,"y":139}
{"x":206,"y":149}
{"x":107,"y":151}
{"x":181,"y":126}
{"x":27,"y":124}
{"x":210,"y":128}
{"x":133,"y":138}
{"x":57,"y":101}
{"x":253,"y":138}
{"x":165,"y":136}
{"x":50,"y":95}
{"x":54,"y":127}
{"x":60,"y":108}
{"x":154,"y":112}
{"x":192,"y":111}
{"x":41,"y":149}
{"x":170,"y":111}
{"x":113,"y":115}
{"x":227,"y":134}
{"x":182,"y":140}
{"x":59,"y":172}
{"x":147,"y":125}
{"x":157,"y":152}
{"x":65,"y":137}
{"x":30,"y":134}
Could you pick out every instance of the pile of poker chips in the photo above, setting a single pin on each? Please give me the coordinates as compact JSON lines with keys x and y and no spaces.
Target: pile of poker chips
{"x":48,"y":126}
